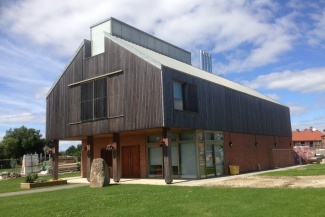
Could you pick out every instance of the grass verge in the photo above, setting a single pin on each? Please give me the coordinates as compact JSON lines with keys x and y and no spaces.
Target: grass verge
{"x":147,"y":200}
{"x":12,"y":185}
{"x":308,"y":170}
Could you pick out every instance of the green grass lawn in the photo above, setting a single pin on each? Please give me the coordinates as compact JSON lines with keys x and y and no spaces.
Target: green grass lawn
{"x":18,"y":169}
{"x":149,"y":200}
{"x":11,"y":185}
{"x":308,"y":170}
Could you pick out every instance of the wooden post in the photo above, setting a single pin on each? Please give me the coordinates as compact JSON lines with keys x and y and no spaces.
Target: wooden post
{"x":90,"y":154}
{"x":55,"y":162}
{"x":116,"y":157}
{"x":167,"y":152}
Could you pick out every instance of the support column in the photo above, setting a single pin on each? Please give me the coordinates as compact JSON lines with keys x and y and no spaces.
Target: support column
{"x":55,"y":161}
{"x":167,"y":152}
{"x":90,"y":154}
{"x":116,"y":157}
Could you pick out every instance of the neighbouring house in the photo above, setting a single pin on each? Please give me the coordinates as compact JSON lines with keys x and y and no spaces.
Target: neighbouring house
{"x":308,"y":137}
{"x":137,"y":102}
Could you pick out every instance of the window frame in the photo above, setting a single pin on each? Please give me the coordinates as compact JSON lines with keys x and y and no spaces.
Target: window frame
{"x":189,"y":98}
{"x":182,"y":99}
{"x":93,"y":97}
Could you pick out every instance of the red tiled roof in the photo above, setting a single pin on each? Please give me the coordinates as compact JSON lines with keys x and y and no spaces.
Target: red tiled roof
{"x":306,"y":135}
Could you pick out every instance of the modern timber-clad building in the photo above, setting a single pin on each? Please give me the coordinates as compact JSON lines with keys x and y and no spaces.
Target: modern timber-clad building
{"x":137,"y":102}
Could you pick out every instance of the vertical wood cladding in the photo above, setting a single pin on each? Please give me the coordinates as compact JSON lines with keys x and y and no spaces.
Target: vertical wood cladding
{"x":115,"y":90}
{"x":74,"y":104}
{"x":224,"y":109}
{"x":134,"y":96}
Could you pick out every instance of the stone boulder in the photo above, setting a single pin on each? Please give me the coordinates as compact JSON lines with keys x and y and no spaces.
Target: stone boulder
{"x":99,"y":173}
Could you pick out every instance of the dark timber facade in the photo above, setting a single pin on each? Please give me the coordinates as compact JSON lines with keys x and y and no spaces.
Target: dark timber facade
{"x":149,"y":115}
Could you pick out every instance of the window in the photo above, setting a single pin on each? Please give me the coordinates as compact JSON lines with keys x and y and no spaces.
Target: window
{"x":185,"y":97}
{"x":100,"y":98}
{"x":178,"y":96}
{"x":94,"y":99}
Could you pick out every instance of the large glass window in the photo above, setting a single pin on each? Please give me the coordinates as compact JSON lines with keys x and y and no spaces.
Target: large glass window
{"x":178,"y":93}
{"x":211,"y":153}
{"x":209,"y":159}
{"x":155,"y":161}
{"x":184,"y":155}
{"x":87,"y":97}
{"x":219,"y":159}
{"x":202,"y":160}
{"x":188,"y":136}
{"x":188,"y":160}
{"x":175,"y":160}
{"x":100,"y":98}
{"x":94,"y":99}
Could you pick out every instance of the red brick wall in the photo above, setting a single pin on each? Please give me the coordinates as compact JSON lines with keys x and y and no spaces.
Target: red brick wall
{"x":283,"y":157}
{"x":248,"y":157}
{"x":102,"y":142}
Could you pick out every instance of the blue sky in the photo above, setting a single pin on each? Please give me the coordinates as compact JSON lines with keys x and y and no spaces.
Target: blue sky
{"x":275,"y":47}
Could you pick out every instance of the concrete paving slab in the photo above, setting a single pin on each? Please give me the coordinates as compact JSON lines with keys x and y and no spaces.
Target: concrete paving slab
{"x":179,"y":182}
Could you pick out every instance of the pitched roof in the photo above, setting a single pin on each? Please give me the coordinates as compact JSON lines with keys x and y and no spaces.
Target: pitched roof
{"x":160,"y":60}
{"x":306,"y":135}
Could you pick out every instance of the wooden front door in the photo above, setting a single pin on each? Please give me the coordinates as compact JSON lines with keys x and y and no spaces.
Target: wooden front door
{"x":131,"y":161}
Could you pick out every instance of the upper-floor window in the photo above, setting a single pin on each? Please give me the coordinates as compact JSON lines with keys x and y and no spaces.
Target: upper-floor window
{"x":185,"y":96}
{"x":94,"y":99}
{"x":178,"y":92}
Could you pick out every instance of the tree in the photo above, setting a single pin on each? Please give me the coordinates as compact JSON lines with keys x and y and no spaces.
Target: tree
{"x":71,"y":150}
{"x":74,"y":151}
{"x":23,"y":140}
{"x":2,"y":151}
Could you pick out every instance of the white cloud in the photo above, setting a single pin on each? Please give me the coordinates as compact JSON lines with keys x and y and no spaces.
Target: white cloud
{"x":273,"y":96}
{"x":23,"y":118}
{"x":297,"y":110}
{"x":317,"y":35}
{"x":20,"y":103}
{"x":217,"y":26}
{"x":316,"y":122}
{"x":41,"y":93}
{"x":304,"y":81}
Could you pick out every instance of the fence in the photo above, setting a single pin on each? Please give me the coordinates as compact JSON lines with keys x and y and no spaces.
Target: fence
{"x":28,"y":164}
{"x":13,"y":164}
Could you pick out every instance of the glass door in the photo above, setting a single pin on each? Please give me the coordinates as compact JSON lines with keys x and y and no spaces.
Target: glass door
{"x":155,"y":161}
{"x":202,"y":160}
{"x":209,"y":159}
{"x":219,"y":159}
{"x":188,"y":160}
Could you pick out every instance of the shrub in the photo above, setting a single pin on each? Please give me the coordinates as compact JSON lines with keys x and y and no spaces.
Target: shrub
{"x":31,"y":178}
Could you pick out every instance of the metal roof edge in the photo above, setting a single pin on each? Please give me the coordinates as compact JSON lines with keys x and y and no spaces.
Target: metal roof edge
{"x":103,"y":21}
{"x":65,"y":68}
{"x":133,"y":50}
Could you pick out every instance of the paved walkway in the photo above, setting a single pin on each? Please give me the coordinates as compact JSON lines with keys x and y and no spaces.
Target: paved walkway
{"x":78,"y":182}
{"x":45,"y":189}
